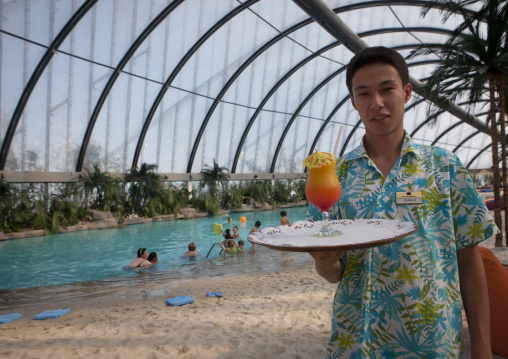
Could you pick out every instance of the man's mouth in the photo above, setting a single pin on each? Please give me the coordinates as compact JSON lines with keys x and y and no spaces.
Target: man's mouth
{"x":379,"y":118}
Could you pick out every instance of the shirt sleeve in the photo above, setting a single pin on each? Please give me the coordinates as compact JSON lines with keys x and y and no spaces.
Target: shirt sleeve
{"x":313,"y":214}
{"x":471,"y":219}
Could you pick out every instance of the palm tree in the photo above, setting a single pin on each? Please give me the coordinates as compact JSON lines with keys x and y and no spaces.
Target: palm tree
{"x":470,"y":59}
{"x":99,"y":189}
{"x":214,"y":174}
{"x":145,"y":185}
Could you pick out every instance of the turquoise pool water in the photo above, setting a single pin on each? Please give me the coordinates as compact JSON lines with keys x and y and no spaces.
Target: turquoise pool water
{"x":101,"y":254}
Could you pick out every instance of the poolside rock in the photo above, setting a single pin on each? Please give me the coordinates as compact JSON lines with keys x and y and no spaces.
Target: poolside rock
{"x":137,"y":220}
{"x":245,"y":208}
{"x":99,"y":215}
{"x":190,"y":213}
{"x":262,"y":206}
{"x":81,"y":226}
{"x":24,"y":233}
{"x":201,"y":214}
{"x":164,"y":217}
{"x":295,"y":204}
{"x":103,"y":224}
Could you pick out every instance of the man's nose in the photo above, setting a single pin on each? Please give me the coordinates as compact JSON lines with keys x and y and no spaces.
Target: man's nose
{"x":377,"y":101}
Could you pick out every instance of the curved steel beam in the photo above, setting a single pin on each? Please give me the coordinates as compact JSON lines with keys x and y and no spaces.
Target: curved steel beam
{"x":177,"y":70}
{"x":297,"y":112}
{"x":269,"y":95}
{"x":39,"y":70}
{"x":118,"y":70}
{"x":465,"y":140}
{"x":478,"y":155}
{"x":468,"y":138}
{"x":452,"y":127}
{"x":433,"y":117}
{"x":349,"y":137}
{"x":328,"y":119}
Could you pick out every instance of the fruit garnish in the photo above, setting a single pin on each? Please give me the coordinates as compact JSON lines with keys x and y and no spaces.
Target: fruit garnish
{"x":319,"y":159}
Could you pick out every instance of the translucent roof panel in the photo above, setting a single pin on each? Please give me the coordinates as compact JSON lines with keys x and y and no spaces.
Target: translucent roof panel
{"x":255,"y":85}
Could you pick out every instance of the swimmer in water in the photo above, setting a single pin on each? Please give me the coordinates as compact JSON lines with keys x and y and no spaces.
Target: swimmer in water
{"x":240,"y":246}
{"x":230,"y":247}
{"x":153,"y":258}
{"x":192,"y":250}
{"x":141,"y":259}
{"x":284,"y":221}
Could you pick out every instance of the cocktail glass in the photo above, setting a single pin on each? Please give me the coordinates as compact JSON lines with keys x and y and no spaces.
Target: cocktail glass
{"x":323,"y":188}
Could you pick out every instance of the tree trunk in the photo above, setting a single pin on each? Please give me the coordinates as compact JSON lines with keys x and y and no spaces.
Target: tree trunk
{"x":502,"y":123}
{"x":495,"y":160}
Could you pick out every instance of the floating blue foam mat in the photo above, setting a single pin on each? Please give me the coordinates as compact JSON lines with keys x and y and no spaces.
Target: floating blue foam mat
{"x":7,"y":318}
{"x":52,"y":314}
{"x":185,"y":299}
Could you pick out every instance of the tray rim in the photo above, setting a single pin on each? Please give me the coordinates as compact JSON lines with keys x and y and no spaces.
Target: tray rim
{"x":339,"y":247}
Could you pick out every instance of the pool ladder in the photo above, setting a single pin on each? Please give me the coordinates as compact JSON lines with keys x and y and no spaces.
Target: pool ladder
{"x":223,"y":250}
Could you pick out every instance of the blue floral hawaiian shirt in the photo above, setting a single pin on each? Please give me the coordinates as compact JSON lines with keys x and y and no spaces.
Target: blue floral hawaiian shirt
{"x":402,"y":300}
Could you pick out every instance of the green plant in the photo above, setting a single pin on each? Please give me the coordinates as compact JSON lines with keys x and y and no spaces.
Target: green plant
{"x":212,"y":205}
{"x":214,"y":174}
{"x":281,"y":192}
{"x":144,"y":186}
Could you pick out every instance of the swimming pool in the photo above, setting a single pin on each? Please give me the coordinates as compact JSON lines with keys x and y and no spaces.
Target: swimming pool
{"x":101,"y":254}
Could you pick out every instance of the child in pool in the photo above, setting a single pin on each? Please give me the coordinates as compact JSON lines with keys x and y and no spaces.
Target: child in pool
{"x":192,"y":251}
{"x":240,"y":246}
{"x":230,"y":247}
{"x":254,"y":229}
{"x":153,"y":257}
{"x":284,"y":221}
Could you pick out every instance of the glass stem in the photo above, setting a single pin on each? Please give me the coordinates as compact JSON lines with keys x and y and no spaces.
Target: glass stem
{"x":326,"y":223}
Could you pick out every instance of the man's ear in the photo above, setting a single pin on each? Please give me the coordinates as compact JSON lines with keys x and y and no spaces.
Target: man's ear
{"x":408,"y":90}
{"x":352,"y":101}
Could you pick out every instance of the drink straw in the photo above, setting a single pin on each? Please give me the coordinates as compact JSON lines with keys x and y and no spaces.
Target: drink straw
{"x":338,"y":139}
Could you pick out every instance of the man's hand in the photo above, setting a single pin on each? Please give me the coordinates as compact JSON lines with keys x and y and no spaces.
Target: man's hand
{"x":328,"y":265}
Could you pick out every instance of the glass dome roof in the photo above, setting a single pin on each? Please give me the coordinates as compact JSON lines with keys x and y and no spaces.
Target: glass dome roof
{"x":255,"y":85}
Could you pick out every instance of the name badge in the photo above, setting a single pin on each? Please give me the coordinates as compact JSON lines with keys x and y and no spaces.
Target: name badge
{"x":409,"y":197}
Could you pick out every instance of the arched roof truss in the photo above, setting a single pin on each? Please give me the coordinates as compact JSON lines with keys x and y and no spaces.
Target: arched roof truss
{"x":254,"y":84}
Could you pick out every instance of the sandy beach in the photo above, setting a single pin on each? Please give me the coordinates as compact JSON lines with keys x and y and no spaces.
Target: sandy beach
{"x":281,"y":314}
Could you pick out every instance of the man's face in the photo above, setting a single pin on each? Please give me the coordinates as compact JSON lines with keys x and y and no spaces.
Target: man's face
{"x":379,"y":98}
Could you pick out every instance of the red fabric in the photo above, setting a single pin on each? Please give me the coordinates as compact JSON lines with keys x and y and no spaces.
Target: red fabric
{"x":497,"y":282}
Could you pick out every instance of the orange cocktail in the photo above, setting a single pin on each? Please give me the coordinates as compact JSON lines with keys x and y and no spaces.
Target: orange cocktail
{"x":323,"y":187}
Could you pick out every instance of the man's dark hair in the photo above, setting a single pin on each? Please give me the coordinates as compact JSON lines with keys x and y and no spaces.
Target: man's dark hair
{"x":257,"y":224}
{"x":376,"y":55}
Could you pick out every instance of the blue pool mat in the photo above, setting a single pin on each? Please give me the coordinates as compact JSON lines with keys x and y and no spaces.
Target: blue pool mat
{"x":180,"y":300}
{"x":52,"y":314}
{"x":7,"y":318}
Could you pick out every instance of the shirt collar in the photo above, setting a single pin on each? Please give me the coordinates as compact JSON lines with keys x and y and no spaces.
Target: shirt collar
{"x":408,"y":146}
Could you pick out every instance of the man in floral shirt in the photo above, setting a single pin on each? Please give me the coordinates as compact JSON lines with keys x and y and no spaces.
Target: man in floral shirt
{"x":402,"y":300}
